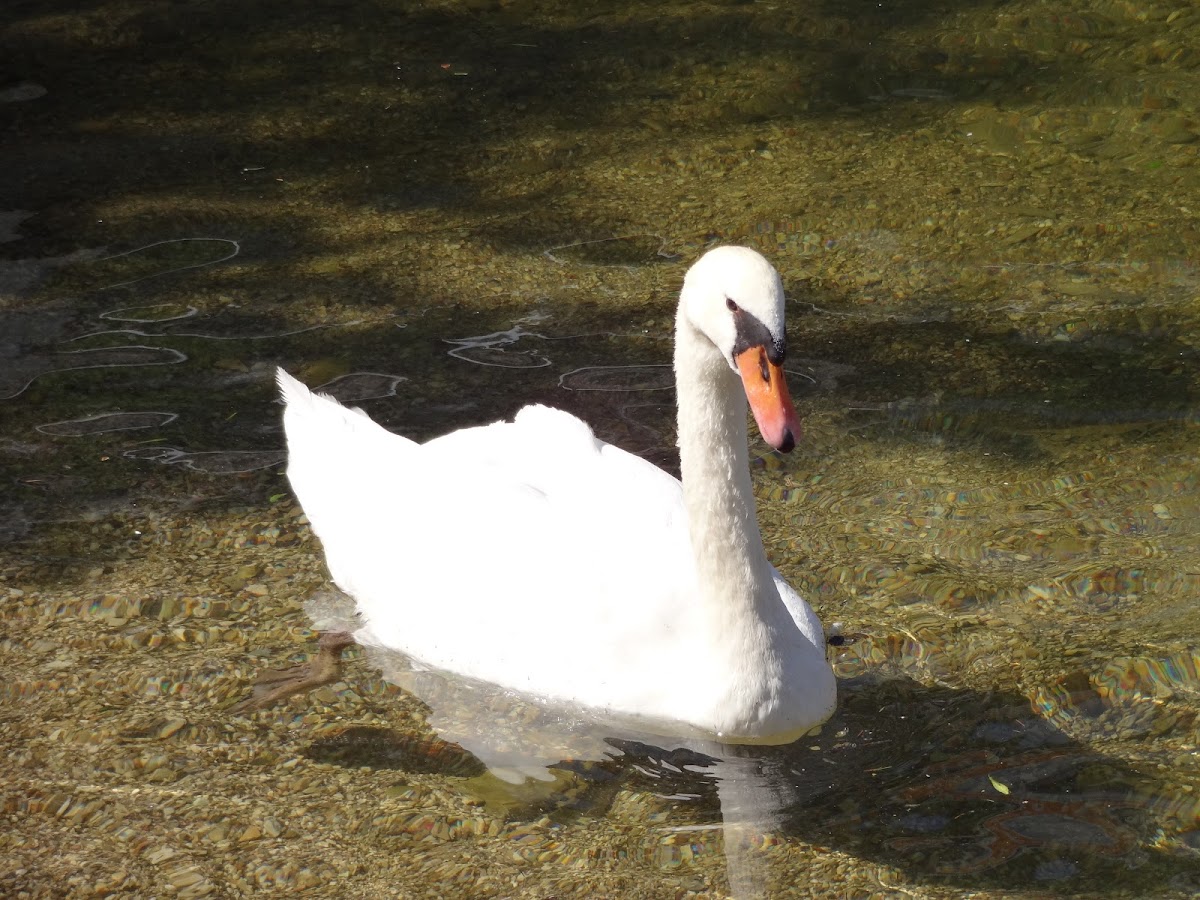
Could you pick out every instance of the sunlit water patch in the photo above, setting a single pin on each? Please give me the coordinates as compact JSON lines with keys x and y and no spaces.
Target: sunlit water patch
{"x":158,"y":259}
{"x":1129,"y":697}
{"x":1067,"y":300}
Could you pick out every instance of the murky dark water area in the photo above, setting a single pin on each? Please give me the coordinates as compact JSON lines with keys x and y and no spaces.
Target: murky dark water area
{"x":985,"y":215}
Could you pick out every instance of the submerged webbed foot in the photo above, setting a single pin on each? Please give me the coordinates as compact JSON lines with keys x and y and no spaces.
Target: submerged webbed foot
{"x":275,"y":685}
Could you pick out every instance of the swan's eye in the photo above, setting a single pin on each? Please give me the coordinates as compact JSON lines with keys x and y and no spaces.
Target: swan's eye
{"x":730,"y":305}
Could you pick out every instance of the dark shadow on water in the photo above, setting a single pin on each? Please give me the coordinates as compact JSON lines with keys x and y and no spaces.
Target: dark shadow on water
{"x":974,"y":789}
{"x":381,"y":748}
{"x":217,"y":109}
{"x":950,"y":786}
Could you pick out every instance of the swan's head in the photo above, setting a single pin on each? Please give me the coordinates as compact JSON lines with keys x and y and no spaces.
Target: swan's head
{"x":734,"y":297}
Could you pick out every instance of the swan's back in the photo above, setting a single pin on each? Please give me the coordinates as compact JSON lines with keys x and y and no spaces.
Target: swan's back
{"x":525,"y":553}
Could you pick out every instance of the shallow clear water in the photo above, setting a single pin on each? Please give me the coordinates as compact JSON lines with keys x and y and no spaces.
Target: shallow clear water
{"x":985,"y":216}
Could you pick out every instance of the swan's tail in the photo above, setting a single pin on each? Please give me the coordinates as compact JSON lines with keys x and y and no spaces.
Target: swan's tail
{"x":335,"y":454}
{"x":298,"y":397}
{"x":313,"y":420}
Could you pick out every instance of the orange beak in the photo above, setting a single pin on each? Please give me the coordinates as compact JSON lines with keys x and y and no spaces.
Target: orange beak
{"x":767,"y":391}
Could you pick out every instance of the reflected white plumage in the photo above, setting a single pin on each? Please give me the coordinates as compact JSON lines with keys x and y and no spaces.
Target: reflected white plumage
{"x":532,"y":555}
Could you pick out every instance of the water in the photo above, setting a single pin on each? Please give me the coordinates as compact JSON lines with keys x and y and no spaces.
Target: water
{"x":985,"y":217}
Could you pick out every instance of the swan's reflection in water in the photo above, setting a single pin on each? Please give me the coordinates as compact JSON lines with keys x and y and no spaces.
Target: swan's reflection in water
{"x":948,"y":786}
{"x":525,"y":745}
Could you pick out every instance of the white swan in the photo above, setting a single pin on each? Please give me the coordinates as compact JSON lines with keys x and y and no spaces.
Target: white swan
{"x":531,"y":555}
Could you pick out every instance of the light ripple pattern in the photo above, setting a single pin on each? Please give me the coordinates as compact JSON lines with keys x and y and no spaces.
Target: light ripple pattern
{"x":210,"y":462}
{"x":361,"y":386}
{"x":34,"y":367}
{"x":103,"y":423}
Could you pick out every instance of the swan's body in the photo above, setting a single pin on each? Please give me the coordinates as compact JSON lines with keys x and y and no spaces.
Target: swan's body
{"x":534,"y":556}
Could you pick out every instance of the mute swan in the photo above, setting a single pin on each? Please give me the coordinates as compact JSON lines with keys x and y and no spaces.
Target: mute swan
{"x":531,"y":555}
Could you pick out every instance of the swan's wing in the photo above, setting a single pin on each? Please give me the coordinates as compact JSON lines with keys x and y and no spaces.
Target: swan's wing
{"x":586,"y":535}
{"x":558,"y":455}
{"x":806,"y":620}
{"x":509,"y":548}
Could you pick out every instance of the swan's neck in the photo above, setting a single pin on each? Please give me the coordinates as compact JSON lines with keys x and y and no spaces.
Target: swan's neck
{"x":735,"y":579}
